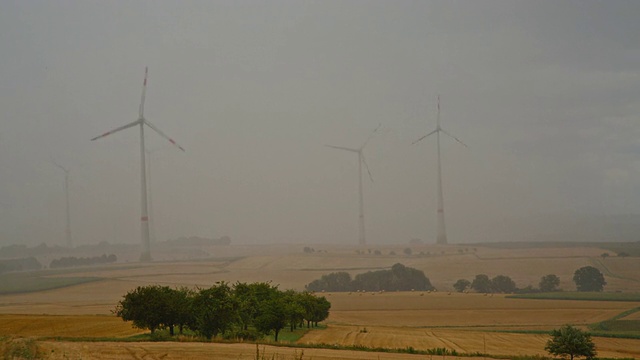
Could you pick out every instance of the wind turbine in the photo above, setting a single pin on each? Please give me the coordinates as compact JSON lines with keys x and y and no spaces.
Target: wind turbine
{"x":361,"y":161}
{"x":442,"y":233}
{"x":66,"y":193}
{"x":141,"y":122}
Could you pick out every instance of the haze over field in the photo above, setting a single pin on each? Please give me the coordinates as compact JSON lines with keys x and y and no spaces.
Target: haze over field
{"x":546,"y":94}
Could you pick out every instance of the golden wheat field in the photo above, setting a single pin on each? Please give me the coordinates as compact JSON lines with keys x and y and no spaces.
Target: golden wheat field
{"x":466,"y":323}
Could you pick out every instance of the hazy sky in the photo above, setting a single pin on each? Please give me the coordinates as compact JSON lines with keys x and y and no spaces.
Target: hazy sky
{"x":545,"y":93}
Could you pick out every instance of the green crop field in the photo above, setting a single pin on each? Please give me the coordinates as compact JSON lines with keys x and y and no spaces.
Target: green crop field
{"x":14,"y":283}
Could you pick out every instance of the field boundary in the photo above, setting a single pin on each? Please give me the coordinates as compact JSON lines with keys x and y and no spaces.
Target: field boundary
{"x":580,"y":296}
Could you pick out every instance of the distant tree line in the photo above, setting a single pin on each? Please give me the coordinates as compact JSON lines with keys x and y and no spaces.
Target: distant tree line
{"x":586,"y":278}
{"x":24,"y":264}
{"x":241,"y":311}
{"x":398,"y":278}
{"x":82,"y":261}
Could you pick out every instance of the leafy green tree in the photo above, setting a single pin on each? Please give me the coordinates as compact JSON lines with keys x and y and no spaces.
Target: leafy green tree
{"x":503,"y":284}
{"x":293,"y":309}
{"x":549,"y":283}
{"x":272,"y":315}
{"x":461,"y":285}
{"x":481,"y":283}
{"x":215,"y":310}
{"x":572,"y":342}
{"x":180,"y":309}
{"x":322,"y":310}
{"x":145,"y":306}
{"x":589,"y":278}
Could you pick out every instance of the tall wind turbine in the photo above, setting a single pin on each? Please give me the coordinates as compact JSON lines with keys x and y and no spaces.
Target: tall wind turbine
{"x":361,"y":236}
{"x":66,"y":194}
{"x":442,"y":233}
{"x":141,"y":122}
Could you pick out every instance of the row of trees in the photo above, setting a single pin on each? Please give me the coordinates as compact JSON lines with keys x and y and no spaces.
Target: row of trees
{"x":82,"y":261}
{"x":398,"y":278}
{"x":30,"y":263}
{"x":587,"y":278}
{"x":241,"y":311}
{"x":482,"y":284}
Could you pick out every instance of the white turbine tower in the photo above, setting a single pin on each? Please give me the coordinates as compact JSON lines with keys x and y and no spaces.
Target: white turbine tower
{"x":144,"y":217}
{"x":442,"y":233}
{"x":66,"y":194}
{"x":361,"y":234}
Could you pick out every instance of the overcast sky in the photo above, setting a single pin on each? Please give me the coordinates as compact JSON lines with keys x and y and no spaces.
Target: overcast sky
{"x":546,"y":94}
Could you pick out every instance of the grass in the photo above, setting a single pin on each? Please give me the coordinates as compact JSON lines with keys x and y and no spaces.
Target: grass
{"x":292,"y":336}
{"x":26,"y":282}
{"x":586,"y":296}
{"x":617,"y":327}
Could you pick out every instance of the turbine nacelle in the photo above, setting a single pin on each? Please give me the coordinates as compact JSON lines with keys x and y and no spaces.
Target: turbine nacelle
{"x":144,"y":218}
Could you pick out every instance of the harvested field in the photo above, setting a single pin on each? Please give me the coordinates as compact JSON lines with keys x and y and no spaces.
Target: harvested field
{"x":466,"y":341}
{"x":421,"y":309}
{"x":197,"y":351}
{"x":65,"y":326}
{"x":464,"y":322}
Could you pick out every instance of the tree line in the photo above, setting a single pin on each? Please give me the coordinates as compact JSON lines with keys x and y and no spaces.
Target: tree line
{"x":586,"y":278}
{"x":403,"y":278}
{"x":239,"y":311}
{"x":398,"y":278}
{"x":82,"y":261}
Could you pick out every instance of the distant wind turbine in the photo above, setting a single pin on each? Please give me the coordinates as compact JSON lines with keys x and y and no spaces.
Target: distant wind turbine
{"x":442,"y":233}
{"x":361,"y":161}
{"x":66,"y":194}
{"x":144,"y":217}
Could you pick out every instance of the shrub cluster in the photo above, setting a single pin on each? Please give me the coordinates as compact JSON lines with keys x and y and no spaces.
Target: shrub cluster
{"x":242,"y":311}
{"x":398,"y":278}
{"x":74,"y":261}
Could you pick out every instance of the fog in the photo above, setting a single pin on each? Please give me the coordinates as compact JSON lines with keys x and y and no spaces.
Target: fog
{"x":546,"y":95}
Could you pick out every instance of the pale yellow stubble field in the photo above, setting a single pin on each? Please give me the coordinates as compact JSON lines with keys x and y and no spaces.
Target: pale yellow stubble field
{"x":418,"y":319}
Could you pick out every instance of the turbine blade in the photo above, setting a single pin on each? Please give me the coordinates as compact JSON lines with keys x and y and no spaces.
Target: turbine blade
{"x":343,"y":148}
{"x":144,"y":92}
{"x":117,"y":129}
{"x":422,"y":138}
{"x":370,"y":136}
{"x":58,"y":165}
{"x":162,"y":134}
{"x":455,"y":138}
{"x":367,"y":167}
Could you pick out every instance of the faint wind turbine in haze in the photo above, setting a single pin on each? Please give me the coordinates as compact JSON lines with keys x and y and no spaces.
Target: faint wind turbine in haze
{"x":68,"y":212}
{"x":144,"y":217}
{"x":442,"y":233}
{"x":361,"y":161}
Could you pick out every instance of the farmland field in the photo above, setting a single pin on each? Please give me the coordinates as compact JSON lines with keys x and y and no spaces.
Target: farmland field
{"x":466,"y":323}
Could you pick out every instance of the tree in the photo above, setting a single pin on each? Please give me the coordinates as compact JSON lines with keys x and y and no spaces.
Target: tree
{"x":503,"y":284}
{"x":549,"y":283}
{"x":481,"y":284}
{"x":215,"y":310}
{"x":407,"y":251}
{"x":145,"y":307}
{"x":569,"y":341}
{"x":604,"y":255}
{"x":589,"y":278}
{"x":461,"y":285}
{"x":623,"y":254}
{"x":272,"y":314}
